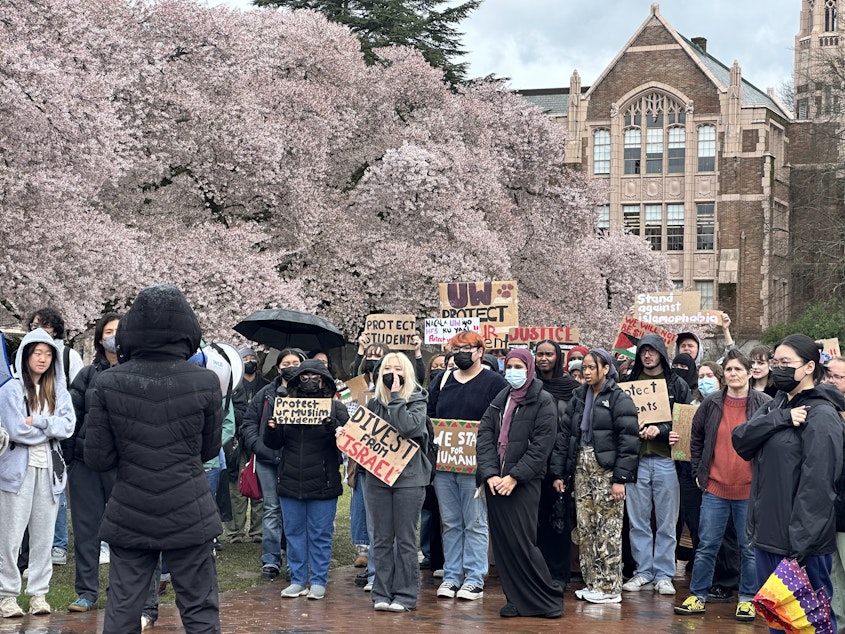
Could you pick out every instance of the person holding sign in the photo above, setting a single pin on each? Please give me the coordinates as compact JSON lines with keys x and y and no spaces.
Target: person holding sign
{"x":515,"y":439}
{"x":657,"y":482}
{"x":463,"y":394}
{"x":309,"y":480}
{"x":725,"y":481}
{"x":794,"y":443}
{"x":394,"y":509}
{"x":599,"y":439}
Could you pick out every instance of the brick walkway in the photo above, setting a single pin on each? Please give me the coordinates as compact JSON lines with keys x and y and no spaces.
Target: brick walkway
{"x":347,"y":608}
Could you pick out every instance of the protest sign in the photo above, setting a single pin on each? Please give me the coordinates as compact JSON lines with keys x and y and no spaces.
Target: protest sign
{"x":370,"y":441}
{"x":440,"y":331}
{"x":533,"y":334}
{"x":632,"y":330}
{"x":651,"y":398}
{"x":395,"y":331}
{"x":457,"y":439}
{"x":494,"y":303}
{"x":302,"y":411}
{"x":675,"y":307}
{"x":682,"y":424}
{"x":830,"y":349}
{"x":359,"y":387}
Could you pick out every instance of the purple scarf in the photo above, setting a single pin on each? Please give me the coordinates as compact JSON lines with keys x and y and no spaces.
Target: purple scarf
{"x":515,"y":396}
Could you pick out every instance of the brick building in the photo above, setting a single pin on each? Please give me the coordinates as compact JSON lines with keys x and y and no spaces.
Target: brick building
{"x":696,"y":160}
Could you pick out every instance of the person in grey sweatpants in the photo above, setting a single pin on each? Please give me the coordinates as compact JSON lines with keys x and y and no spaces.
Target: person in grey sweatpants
{"x":395,"y":509}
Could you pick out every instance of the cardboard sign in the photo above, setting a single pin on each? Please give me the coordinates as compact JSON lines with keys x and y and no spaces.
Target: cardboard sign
{"x":632,"y":330}
{"x":682,"y":416}
{"x":675,"y":307}
{"x":494,"y":303}
{"x":370,"y":441}
{"x":533,"y":334}
{"x":651,"y":398}
{"x":359,"y":388}
{"x":440,"y":331}
{"x":395,"y":331}
{"x":301,"y":411}
{"x":830,"y":349}
{"x":457,"y":440}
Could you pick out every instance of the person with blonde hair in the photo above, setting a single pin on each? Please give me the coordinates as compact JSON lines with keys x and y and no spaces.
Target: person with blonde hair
{"x":394,"y":509}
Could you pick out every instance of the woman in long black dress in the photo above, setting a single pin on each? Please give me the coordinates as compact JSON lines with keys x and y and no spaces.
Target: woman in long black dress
{"x":515,"y":439}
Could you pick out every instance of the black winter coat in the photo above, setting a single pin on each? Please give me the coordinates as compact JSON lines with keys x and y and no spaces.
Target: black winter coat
{"x":705,"y":427}
{"x":616,"y":438}
{"x":259,"y":410}
{"x":530,"y":439}
{"x":81,"y":392}
{"x":156,"y":418}
{"x":794,"y":473}
{"x":309,"y":468}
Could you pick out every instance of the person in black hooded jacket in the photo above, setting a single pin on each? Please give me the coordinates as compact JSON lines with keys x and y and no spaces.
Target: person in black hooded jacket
{"x":157,"y":418}
{"x":309,"y":480}
{"x":795,"y":444}
{"x":657,"y":481}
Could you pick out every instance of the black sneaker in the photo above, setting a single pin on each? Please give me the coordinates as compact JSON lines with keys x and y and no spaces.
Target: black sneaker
{"x":720,"y":594}
{"x":509,"y":611}
{"x":425,"y":564}
{"x":269,"y":571}
{"x":361,"y":579}
{"x":470,"y":592}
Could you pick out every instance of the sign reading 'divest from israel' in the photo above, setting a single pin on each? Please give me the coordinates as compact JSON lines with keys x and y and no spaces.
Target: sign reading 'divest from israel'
{"x":370,"y":441}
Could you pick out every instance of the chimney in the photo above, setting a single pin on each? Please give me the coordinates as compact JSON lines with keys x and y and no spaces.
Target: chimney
{"x":700,"y":42}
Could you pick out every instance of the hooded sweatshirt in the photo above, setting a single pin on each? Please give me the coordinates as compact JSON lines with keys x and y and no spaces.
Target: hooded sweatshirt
{"x":46,"y":429}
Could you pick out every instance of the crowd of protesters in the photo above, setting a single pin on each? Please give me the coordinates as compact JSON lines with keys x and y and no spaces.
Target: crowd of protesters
{"x":563,"y":461}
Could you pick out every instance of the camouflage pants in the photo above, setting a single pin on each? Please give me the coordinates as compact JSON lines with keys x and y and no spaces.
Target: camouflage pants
{"x":599,"y":524}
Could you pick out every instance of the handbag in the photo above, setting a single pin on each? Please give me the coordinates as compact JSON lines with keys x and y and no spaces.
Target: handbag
{"x":248,"y":484}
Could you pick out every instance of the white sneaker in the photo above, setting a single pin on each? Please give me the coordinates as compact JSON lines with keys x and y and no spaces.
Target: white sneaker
{"x":664,"y":586}
{"x":38,"y":605}
{"x":381,"y":606}
{"x":598,"y":596}
{"x":470,"y":592}
{"x":105,"y":556}
{"x":579,"y":594}
{"x":438,"y":574}
{"x":294,"y":590}
{"x":447,"y":590}
{"x":637,"y":583}
{"x":9,"y":608}
{"x":59,"y":556}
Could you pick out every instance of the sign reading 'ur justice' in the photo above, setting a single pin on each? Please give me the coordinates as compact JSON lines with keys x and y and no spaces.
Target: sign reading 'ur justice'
{"x":493,"y":303}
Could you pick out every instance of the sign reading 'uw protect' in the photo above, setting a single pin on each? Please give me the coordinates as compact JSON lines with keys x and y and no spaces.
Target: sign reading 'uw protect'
{"x":370,"y":441}
{"x":493,"y":303}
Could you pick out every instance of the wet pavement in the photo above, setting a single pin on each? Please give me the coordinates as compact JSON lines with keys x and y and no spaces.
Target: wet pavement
{"x":346,"y":608}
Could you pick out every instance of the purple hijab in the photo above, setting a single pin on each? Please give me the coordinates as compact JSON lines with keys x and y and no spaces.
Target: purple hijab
{"x":515,"y":396}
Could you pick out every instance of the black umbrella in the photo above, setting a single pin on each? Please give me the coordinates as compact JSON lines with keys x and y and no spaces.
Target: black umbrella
{"x":282,"y":328}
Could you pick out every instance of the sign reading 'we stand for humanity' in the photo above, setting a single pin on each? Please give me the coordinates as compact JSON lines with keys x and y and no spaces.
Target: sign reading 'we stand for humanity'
{"x":493,"y":303}
{"x":457,"y":440}
{"x":370,"y":441}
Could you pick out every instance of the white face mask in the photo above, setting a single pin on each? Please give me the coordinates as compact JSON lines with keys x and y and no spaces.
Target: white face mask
{"x":516,"y":377}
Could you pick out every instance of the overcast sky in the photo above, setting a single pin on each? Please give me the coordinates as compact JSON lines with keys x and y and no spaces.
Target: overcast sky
{"x":538,"y":43}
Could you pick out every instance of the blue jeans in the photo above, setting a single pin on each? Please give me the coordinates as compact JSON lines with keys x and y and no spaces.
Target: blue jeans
{"x":308,"y":528}
{"x":657,"y":484}
{"x":715,"y":513}
{"x":60,"y":532}
{"x":361,"y":484}
{"x":213,"y":477}
{"x":357,"y":512}
{"x":271,"y":521}
{"x":464,"y":521}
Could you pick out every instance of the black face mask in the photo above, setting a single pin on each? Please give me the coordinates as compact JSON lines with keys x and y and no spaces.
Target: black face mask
{"x":310,"y":386}
{"x":784,"y":379}
{"x":250,"y":367}
{"x":464,"y":360}
{"x":387,"y":379}
{"x":369,"y":366}
{"x":288,"y":372}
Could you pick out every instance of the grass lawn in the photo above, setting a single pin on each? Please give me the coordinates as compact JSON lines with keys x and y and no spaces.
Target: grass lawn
{"x":238,"y":566}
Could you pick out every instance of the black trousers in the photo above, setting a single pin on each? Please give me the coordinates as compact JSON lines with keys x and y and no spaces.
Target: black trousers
{"x":194,"y":578}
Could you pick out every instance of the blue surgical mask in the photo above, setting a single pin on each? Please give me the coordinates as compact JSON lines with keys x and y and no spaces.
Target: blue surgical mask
{"x":501,"y":365}
{"x":707,"y":386}
{"x":516,"y":377}
{"x":110,"y":344}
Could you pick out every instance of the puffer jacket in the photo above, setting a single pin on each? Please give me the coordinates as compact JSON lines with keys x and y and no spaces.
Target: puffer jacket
{"x":616,"y":438}
{"x":530,"y":439}
{"x":156,"y":418}
{"x":81,"y":391}
{"x":794,"y":472}
{"x":309,"y":466}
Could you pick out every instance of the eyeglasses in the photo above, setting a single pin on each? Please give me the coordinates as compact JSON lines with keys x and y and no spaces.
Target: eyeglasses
{"x":787,"y":363}
{"x":465,"y":349}
{"x":836,"y":377}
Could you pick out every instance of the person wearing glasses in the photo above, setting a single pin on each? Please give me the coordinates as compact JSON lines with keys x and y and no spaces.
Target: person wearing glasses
{"x":795,"y":445}
{"x":463,"y":394}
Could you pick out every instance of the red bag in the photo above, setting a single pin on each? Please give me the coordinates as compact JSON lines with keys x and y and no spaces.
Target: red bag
{"x":248,"y":484}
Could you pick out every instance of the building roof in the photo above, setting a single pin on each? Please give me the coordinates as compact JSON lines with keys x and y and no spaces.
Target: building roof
{"x":550,"y":100}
